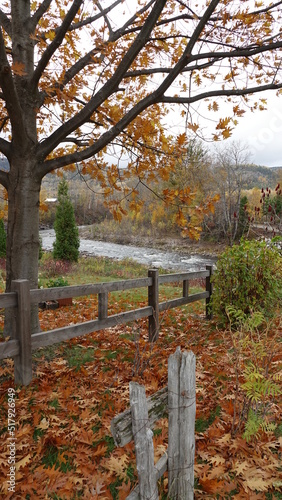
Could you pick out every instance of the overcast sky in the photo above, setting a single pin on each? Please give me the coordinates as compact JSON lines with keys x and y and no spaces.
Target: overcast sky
{"x":262,"y":131}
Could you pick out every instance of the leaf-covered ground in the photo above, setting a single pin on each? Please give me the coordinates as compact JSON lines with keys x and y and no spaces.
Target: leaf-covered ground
{"x":64,"y":447}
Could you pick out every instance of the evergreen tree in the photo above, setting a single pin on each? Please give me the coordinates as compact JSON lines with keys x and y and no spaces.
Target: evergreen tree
{"x":2,"y":239}
{"x":66,"y":244}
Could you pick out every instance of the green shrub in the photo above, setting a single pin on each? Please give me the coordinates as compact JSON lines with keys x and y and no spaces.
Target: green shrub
{"x":257,"y":378}
{"x":2,"y":239}
{"x":66,"y":244}
{"x":248,"y":277}
{"x":57,"y":282}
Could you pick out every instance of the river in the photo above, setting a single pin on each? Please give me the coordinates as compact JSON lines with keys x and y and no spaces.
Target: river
{"x":151,"y":257}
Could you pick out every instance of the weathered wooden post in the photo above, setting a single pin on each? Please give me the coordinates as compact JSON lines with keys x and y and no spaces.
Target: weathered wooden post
{"x":209,"y":289}
{"x":23,"y":362}
{"x":153,"y":301}
{"x":185,"y":289}
{"x":143,"y":439}
{"x":181,"y":424}
{"x":102,"y":305}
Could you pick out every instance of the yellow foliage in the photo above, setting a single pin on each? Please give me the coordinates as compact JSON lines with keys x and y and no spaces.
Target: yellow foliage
{"x":158,"y":214}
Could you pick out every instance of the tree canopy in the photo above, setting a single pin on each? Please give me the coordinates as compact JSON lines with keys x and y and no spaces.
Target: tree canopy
{"x":97,"y":75}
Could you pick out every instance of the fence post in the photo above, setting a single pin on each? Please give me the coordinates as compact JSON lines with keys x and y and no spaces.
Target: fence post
{"x":181,"y":424}
{"x":102,"y":305}
{"x":153,"y":301}
{"x":23,"y":362}
{"x":185,"y":288}
{"x":143,"y":439}
{"x":209,"y":289}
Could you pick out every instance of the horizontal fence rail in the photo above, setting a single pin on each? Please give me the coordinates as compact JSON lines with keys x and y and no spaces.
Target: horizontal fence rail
{"x":22,"y":298}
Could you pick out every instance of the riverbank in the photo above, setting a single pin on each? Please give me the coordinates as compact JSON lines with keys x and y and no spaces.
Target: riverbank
{"x":176,"y":243}
{"x":149,"y":256}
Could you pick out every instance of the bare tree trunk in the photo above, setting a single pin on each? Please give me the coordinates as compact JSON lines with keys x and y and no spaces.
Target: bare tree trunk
{"x":23,"y":230}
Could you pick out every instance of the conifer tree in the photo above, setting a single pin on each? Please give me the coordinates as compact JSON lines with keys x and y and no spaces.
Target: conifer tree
{"x":66,"y":245}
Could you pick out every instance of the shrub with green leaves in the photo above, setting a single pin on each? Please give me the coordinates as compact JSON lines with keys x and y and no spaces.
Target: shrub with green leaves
{"x":66,"y":245}
{"x":248,"y":277}
{"x":257,"y":377}
{"x":57,"y":282}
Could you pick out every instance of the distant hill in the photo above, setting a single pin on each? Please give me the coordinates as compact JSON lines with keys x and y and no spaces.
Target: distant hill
{"x":261,"y":176}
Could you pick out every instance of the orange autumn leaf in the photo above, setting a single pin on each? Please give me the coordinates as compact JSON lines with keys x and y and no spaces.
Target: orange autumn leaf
{"x":18,"y":68}
{"x":212,"y":485}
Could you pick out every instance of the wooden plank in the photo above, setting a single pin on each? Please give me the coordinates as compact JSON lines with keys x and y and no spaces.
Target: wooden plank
{"x":102,"y":305}
{"x":43,"y":294}
{"x":209,"y":290}
{"x":174,"y":362}
{"x":186,"y":425}
{"x":153,"y":301}
{"x":121,"y":425}
{"x":23,"y":361}
{"x":161,"y":468}
{"x":170,"y":304}
{"x":143,"y":439}
{"x":197,"y":296}
{"x":185,"y":288}
{"x":181,"y":414}
{"x":9,"y":349}
{"x":8,"y":300}
{"x":174,"y":278}
{"x":43,"y":339}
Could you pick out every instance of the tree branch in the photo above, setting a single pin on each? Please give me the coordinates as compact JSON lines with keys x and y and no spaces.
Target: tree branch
{"x":186,"y":56}
{"x":110,"y":86}
{"x":87,"y":58}
{"x":4,"y":179}
{"x":5,"y":147}
{"x":55,"y":44}
{"x":70,"y":74}
{"x":106,"y":18}
{"x":155,"y":97}
{"x":133,"y":19}
{"x":10,"y":95}
{"x":147,"y":101}
{"x":266,"y":9}
{"x":238,"y":52}
{"x":5,"y":23}
{"x":212,"y":57}
{"x":218,"y":93}
{"x":43,"y":7}
{"x":91,"y":19}
{"x":152,"y":71}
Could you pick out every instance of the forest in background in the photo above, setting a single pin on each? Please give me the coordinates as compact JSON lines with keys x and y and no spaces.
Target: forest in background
{"x":228,"y":189}
{"x":227,"y":195}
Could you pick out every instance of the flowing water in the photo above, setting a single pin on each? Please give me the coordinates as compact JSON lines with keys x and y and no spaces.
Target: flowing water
{"x":151,"y":257}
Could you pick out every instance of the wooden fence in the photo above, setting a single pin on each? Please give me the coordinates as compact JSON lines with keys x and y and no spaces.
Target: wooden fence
{"x":178,"y":400}
{"x":22,"y":298}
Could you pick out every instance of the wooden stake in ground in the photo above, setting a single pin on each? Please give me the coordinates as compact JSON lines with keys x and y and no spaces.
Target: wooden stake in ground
{"x":181,"y":436}
{"x":143,"y":438}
